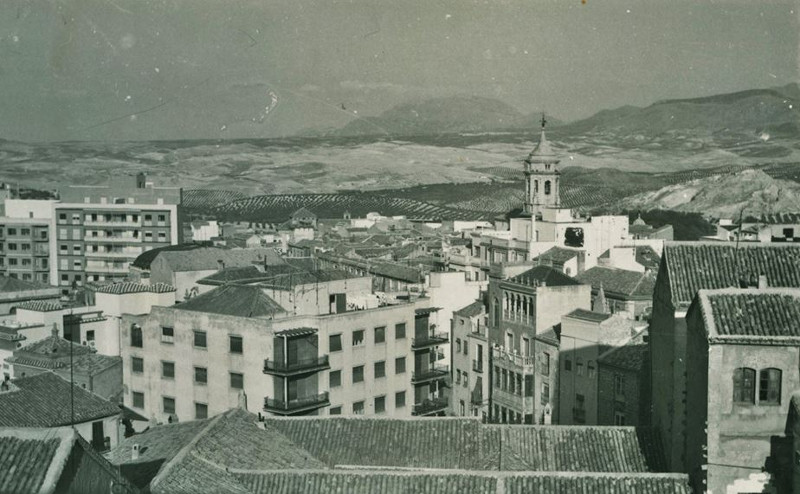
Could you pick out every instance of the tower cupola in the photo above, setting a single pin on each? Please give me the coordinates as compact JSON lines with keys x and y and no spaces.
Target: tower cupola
{"x":542,"y":176}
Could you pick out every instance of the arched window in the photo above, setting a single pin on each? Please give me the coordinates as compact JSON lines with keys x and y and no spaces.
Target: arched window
{"x":769,"y":386}
{"x":744,"y":385}
{"x":547,"y":188}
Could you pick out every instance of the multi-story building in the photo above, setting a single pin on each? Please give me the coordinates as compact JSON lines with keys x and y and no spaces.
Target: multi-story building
{"x":303,"y":343}
{"x":623,"y":383}
{"x":585,"y":335}
{"x":101,"y":230}
{"x":743,"y":356}
{"x":26,"y":249}
{"x":687,"y":267}
{"x":470,"y":361}
{"x":524,"y":311}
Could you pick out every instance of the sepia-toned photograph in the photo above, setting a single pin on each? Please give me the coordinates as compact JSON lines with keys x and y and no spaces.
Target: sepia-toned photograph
{"x":400,"y":247}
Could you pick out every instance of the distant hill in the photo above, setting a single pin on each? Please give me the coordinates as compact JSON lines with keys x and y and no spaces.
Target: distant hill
{"x":722,"y":195}
{"x":774,"y":111}
{"x":450,"y":115}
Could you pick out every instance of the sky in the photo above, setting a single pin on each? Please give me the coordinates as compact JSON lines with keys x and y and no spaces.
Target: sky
{"x":193,"y":69}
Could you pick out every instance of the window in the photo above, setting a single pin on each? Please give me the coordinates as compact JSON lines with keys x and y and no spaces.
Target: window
{"x":335,"y":411}
{"x":167,"y":334}
{"x":136,"y":336}
{"x":380,"y":369}
{"x":399,"y":365}
{"x":769,"y":386}
{"x":545,"y":398}
{"x":235,"y":344}
{"x":466,"y":347}
{"x":358,"y":337}
{"x":137,"y":365}
{"x":619,"y":385}
{"x":466,"y":379}
{"x":400,"y":399}
{"x":579,"y":366}
{"x":380,"y":334}
{"x":12,"y":231}
{"x":169,"y":404}
{"x":200,"y":411}
{"x":619,"y":418}
{"x":590,"y":367}
{"x":496,"y":376}
{"x":200,"y":375}
{"x":199,"y":339}
{"x":237,"y":380}
{"x":400,"y":331}
{"x":162,"y":217}
{"x":335,"y":378}
{"x":168,"y":370}
{"x":380,"y":404}
{"x":138,"y":399}
{"x":545,"y":367}
{"x":358,"y":374}
{"x":358,"y":408}
{"x":335,"y":343}
{"x":744,"y":385}
{"x":458,"y":376}
{"x":458,"y":345}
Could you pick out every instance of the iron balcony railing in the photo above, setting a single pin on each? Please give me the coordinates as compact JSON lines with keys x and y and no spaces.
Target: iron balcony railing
{"x":296,"y":405}
{"x":429,"y":340}
{"x":431,"y":374}
{"x":428,"y":407}
{"x":299,"y":366}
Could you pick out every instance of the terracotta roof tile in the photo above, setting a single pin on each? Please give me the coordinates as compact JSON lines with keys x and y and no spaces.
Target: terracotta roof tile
{"x":557,"y":255}
{"x":544,"y":275}
{"x":132,"y":287}
{"x":620,"y":282}
{"x":234,"y":300}
{"x":39,"y":306}
{"x":632,"y":355}
{"x":598,"y":484}
{"x":736,"y":314}
{"x":26,"y":459}
{"x":470,"y":310}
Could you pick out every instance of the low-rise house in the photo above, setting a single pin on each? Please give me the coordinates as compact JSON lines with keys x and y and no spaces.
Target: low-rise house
{"x":48,"y":401}
{"x":14,"y":292}
{"x":628,"y":293}
{"x":47,"y":462}
{"x":100,"y":374}
{"x":227,"y":454}
{"x":567,"y":260}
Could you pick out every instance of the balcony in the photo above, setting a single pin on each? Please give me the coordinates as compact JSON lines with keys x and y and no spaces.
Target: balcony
{"x":514,"y":360}
{"x":113,"y":255}
{"x":106,"y":269}
{"x":432,"y":339}
{"x":112,"y":240}
{"x":429,"y":407}
{"x":477,"y":366}
{"x":514,"y":316}
{"x":428,"y":375}
{"x":112,"y":224}
{"x":301,"y":366}
{"x":296,"y":406}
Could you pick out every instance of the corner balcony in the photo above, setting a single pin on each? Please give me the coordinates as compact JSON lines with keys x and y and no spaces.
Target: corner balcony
{"x":430,"y":407}
{"x":430,"y":340}
{"x":296,"y":406}
{"x":301,"y":366}
{"x":428,"y":375}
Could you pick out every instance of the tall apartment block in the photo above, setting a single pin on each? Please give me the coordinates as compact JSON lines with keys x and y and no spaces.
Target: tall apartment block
{"x":25,"y":240}
{"x":101,"y":229}
{"x":305,"y":343}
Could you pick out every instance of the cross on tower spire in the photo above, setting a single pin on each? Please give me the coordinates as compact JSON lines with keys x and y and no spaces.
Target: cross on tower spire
{"x":544,"y":121}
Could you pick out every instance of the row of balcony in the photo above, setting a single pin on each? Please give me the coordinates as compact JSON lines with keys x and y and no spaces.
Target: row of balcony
{"x":430,"y":340}
{"x":89,"y":238}
{"x":515,"y":316}
{"x":432,"y":374}
{"x":430,"y":407}
{"x":297,"y":405}
{"x":296,"y":367}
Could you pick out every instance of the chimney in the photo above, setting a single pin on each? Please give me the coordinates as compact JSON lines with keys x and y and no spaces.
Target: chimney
{"x":242,"y":400}
{"x":135,"y":452}
{"x":762,"y":282}
{"x":220,"y":264}
{"x":54,"y":331}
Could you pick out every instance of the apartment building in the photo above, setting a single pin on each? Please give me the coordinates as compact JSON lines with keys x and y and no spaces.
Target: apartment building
{"x":524,"y":311}
{"x":295,"y":345}
{"x":25,"y":240}
{"x":470,"y":362}
{"x":101,"y":229}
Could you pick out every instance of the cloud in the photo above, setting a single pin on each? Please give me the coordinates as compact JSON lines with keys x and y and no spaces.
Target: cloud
{"x":356,"y":85}
{"x":310,"y":88}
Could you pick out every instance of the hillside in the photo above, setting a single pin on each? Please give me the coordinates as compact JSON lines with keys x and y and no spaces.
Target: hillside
{"x":451,"y":115}
{"x":751,"y":112}
{"x":722,"y":195}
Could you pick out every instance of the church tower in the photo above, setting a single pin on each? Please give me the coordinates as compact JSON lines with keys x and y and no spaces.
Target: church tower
{"x":541,"y":177}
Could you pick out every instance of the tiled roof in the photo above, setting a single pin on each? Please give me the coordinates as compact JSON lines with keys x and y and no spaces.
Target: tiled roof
{"x":587,"y":315}
{"x":235,"y":274}
{"x":27,"y":456}
{"x":631,"y":356}
{"x":598,"y":484}
{"x":620,"y":282}
{"x":290,"y":280}
{"x":557,"y":255}
{"x":157,"y":445}
{"x":359,"y":482}
{"x":647,"y":257}
{"x":769,"y":316}
{"x":234,"y":300}
{"x":780,"y":218}
{"x":8,"y":284}
{"x":207,"y":258}
{"x":398,"y":272}
{"x":43,"y":400}
{"x":39,"y":306}
{"x":145,"y":259}
{"x":53,"y":352}
{"x":543,"y":275}
{"x":471,"y":310}
{"x":133,"y":287}
{"x":692,"y":266}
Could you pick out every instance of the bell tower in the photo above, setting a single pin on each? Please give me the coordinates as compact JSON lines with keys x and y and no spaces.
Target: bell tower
{"x":541,"y":177}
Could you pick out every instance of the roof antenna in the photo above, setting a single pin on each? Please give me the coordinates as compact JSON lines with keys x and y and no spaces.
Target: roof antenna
{"x":736,"y":250}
